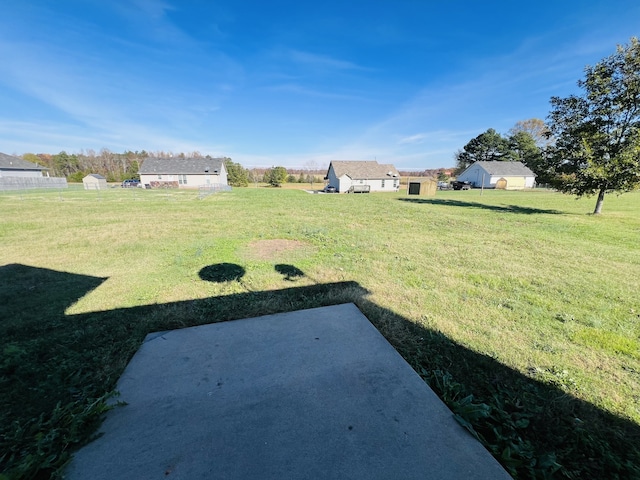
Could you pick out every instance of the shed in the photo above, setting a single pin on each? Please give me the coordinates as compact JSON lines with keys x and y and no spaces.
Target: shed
{"x":94,"y":181}
{"x":422,"y":186}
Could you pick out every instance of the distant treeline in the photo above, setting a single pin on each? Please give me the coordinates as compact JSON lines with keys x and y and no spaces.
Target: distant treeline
{"x":116,"y":167}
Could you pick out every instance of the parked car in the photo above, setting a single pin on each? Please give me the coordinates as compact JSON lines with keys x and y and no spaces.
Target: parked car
{"x":330,"y":189}
{"x":130,"y":183}
{"x":461,"y":185}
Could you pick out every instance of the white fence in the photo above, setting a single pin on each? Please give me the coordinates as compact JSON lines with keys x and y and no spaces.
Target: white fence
{"x":27,"y":183}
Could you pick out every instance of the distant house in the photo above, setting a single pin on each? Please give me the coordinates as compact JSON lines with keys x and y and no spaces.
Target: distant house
{"x":94,"y":181}
{"x":19,"y":174}
{"x":11,"y":166}
{"x":504,"y":175}
{"x":178,"y":172}
{"x":359,"y":176}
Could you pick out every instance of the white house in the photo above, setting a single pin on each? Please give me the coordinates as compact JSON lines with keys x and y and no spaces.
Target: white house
{"x":178,"y":172}
{"x":504,"y":175}
{"x":362,"y":176}
{"x":94,"y":181}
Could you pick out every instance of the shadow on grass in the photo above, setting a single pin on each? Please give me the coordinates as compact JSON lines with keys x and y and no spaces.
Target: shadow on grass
{"x":497,"y":208}
{"x":51,"y":359}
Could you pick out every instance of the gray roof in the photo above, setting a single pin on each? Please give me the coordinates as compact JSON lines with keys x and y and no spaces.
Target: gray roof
{"x":505,"y":169}
{"x":356,"y":169}
{"x":96,"y":175}
{"x":9,"y":162}
{"x":179,"y":165}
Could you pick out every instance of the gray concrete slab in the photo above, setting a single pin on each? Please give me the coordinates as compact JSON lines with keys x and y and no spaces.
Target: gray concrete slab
{"x":309,"y":394}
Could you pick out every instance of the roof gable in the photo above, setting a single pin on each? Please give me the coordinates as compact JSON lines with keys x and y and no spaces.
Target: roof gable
{"x":179,"y":165}
{"x":505,"y":169}
{"x":356,"y":169}
{"x":9,"y":162}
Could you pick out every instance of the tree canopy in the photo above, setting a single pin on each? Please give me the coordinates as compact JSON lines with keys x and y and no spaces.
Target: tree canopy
{"x":275,"y":176}
{"x":237,"y":175}
{"x":520,"y":146}
{"x":597,"y":133}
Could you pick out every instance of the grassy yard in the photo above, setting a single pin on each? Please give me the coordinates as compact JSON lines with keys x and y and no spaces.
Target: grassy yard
{"x":520,"y":309}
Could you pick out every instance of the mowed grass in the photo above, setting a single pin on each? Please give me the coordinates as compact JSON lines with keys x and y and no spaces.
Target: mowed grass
{"x":520,"y":302}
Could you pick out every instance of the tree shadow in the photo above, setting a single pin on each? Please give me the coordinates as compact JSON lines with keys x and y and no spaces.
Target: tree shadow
{"x":222,"y":272}
{"x":498,"y":208}
{"x":289,"y":272}
{"x":51,"y":357}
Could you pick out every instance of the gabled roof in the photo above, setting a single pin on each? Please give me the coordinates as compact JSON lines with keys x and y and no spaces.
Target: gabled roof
{"x":96,"y":175}
{"x":356,"y":169}
{"x":505,"y":169}
{"x":9,"y":162}
{"x":179,"y":165}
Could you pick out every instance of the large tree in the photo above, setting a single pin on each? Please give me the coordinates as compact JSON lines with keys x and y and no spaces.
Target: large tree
{"x":597,"y":133}
{"x":524,"y":148}
{"x":535,"y":127}
{"x":487,"y":146}
{"x":275,"y":176}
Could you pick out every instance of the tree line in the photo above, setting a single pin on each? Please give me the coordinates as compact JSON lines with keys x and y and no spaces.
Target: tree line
{"x":117,"y":167}
{"x":591,"y":142}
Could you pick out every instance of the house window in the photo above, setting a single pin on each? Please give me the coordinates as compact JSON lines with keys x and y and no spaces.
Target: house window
{"x":361,"y":182}
{"x":182,"y":179}
{"x":159,"y":177}
{"x":382,"y":184}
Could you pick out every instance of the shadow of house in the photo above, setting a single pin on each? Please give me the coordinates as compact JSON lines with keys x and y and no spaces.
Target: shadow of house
{"x":530,"y":427}
{"x":498,"y":208}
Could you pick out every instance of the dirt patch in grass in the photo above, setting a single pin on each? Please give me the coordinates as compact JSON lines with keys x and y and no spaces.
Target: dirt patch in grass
{"x":277,"y":249}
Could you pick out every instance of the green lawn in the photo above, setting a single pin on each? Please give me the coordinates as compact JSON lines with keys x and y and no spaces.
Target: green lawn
{"x":520,"y":309}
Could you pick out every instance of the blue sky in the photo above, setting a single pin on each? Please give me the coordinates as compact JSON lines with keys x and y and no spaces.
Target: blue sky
{"x":291,"y":83}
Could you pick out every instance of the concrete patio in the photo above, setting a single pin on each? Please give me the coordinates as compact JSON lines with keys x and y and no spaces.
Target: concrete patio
{"x":308,"y":394}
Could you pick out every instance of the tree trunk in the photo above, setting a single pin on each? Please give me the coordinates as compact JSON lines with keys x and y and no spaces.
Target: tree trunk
{"x":599,"y":203}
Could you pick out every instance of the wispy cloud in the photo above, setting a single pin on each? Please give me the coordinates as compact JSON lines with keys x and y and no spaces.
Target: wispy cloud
{"x":302,"y":90}
{"x":321,"y":62}
{"x":417,"y":138}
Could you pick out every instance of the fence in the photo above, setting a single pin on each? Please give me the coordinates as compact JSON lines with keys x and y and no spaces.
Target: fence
{"x":27,"y":183}
{"x":206,"y":190}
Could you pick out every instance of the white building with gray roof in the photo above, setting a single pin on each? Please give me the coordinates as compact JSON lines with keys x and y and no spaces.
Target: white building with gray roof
{"x":179,"y":172}
{"x":362,"y":176}
{"x":503,"y":175}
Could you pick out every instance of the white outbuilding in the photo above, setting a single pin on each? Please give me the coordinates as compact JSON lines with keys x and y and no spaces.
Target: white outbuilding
{"x":94,"y":181}
{"x":502,"y":175}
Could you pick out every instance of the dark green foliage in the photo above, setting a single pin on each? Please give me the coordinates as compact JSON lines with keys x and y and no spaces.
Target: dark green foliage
{"x":489,"y":146}
{"x":597,"y":134}
{"x":275,"y":176}
{"x":237,"y":175}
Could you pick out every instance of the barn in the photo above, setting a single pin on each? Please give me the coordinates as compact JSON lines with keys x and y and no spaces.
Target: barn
{"x":502,"y":175}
